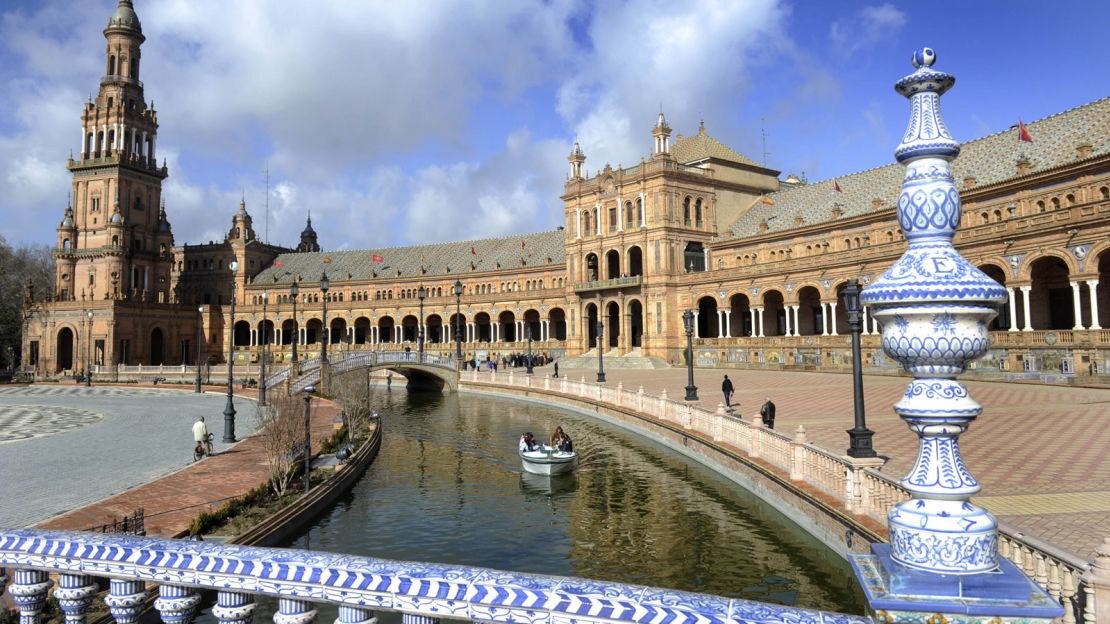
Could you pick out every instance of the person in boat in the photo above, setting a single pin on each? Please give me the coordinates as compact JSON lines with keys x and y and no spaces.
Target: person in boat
{"x":561,"y":441}
{"x":528,"y":443}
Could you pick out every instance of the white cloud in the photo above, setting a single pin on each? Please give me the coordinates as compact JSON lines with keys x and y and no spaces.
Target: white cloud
{"x":870,"y":25}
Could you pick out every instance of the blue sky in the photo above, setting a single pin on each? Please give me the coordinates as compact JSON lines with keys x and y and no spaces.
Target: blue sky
{"x":399,"y":123}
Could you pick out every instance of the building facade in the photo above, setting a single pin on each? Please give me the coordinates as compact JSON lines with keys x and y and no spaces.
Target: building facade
{"x":760,"y":261}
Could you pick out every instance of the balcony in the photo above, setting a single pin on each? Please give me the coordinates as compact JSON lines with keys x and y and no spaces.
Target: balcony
{"x":121,"y":79}
{"x":617,"y":282}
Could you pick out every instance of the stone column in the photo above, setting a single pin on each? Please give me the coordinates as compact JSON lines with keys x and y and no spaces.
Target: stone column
{"x":728,"y":323}
{"x":696,"y":333}
{"x":233,"y":608}
{"x":789,"y":319}
{"x":832,"y":318}
{"x":176,"y":605}
{"x":292,"y":611}
{"x":720,"y":323}
{"x":824,"y":319}
{"x":578,"y":222}
{"x":759,"y":313}
{"x":1076,"y":307}
{"x":797,"y":329}
{"x":1092,"y":285}
{"x":125,"y":600}
{"x":28,"y":592}
{"x":867,"y":322}
{"x":1025,"y":308}
{"x":74,"y":595}
{"x":1012,"y":292}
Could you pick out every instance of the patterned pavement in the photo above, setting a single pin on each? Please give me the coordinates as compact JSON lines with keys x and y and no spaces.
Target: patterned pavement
{"x":1042,"y":453}
{"x":63,"y":447}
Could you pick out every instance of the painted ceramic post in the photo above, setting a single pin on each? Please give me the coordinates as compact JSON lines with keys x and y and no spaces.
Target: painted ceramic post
{"x":934,"y":307}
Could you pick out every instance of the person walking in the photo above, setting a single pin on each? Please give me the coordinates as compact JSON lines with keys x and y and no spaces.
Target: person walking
{"x":556,"y":368}
{"x":767,"y":412}
{"x":726,"y":388}
{"x":200,"y":436}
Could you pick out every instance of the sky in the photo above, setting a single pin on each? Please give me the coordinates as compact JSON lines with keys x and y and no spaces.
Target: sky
{"x":399,"y":123}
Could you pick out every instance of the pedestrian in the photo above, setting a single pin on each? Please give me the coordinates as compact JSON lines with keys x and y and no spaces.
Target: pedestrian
{"x":767,"y":412}
{"x":389,"y":380}
{"x":726,"y":388}
{"x":556,"y":368}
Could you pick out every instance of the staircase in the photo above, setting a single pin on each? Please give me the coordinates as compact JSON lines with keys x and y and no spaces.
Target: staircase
{"x":632,"y":360}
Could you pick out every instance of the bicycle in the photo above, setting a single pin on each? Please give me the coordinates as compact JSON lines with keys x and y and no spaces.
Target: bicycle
{"x":203,"y":449}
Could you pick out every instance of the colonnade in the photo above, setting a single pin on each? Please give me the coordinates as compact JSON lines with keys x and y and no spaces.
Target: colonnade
{"x":1077,"y":308}
{"x":756,"y":325}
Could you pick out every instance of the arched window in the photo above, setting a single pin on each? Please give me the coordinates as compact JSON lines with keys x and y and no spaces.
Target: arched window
{"x":984,"y":218}
{"x":697,"y":214}
{"x":686,"y":211}
{"x":612,"y":219}
{"x":133,"y":69}
{"x":639,"y":212}
{"x":1105,"y":192}
{"x":1040,"y":206}
{"x":112,"y":65}
{"x":586,"y":218}
{"x":628,"y":212}
{"x":111,"y":140}
{"x":1055,"y":203}
{"x":997,"y":216}
{"x":1070,"y":199}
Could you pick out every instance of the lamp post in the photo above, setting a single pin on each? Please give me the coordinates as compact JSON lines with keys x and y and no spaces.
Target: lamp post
{"x":600,"y":362}
{"x":200,"y":337}
{"x":859,"y":436}
{"x":324,"y":286}
{"x":308,"y":437}
{"x":88,"y":352}
{"x":420,"y":294}
{"x":458,"y":320}
{"x":262,"y":358}
{"x":293,"y":293}
{"x":688,"y":323}
{"x":528,"y":328}
{"x":229,"y":409}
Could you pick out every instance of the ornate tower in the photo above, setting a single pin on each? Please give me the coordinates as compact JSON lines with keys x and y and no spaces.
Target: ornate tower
{"x":662,"y":134}
{"x":123,"y":238}
{"x":308,"y":237}
{"x":576,"y":159}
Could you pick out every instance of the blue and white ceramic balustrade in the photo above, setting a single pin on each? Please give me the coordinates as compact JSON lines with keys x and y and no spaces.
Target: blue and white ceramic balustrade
{"x":934,"y":307}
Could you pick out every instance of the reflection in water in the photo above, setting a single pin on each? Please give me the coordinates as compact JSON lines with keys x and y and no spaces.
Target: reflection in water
{"x":448,"y":487}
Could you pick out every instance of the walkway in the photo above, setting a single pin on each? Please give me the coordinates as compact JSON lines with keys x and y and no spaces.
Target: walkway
{"x":1039,"y":451}
{"x":136,"y":451}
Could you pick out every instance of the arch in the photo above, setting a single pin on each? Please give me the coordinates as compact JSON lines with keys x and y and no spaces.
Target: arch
{"x":811,"y":314}
{"x":456,"y":326}
{"x":66,"y":349}
{"x":774,"y":312}
{"x":242,"y":334}
{"x":590,"y":319}
{"x":483,"y":327}
{"x":1025,"y":270}
{"x":612,"y":264}
{"x":362,"y":330}
{"x":157,"y":347}
{"x":592,"y":271}
{"x":408,"y":328}
{"x":1102,"y":291}
{"x":434,"y":329}
{"x":558,"y":323}
{"x":531,"y":320}
{"x":635,"y":323}
{"x":635,"y":261}
{"x":708,"y":325}
{"x":506,"y":326}
{"x":998,"y":274}
{"x":385,"y":329}
{"x":1050,"y":298}
{"x":337,"y":330}
{"x":266,"y":332}
{"x":288,"y":331}
{"x":694,"y":257}
{"x":612,"y":334}
{"x":740,"y":317}
{"x":313,"y":330}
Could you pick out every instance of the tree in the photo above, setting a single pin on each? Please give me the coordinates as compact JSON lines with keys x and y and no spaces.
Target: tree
{"x":280,"y":427}
{"x":352,"y":390}
{"x":19,"y":267}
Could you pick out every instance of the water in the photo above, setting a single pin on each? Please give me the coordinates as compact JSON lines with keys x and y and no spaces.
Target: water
{"x":447,"y":487}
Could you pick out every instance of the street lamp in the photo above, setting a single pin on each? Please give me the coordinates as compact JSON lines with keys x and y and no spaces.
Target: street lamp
{"x":293,"y":293}
{"x":528,"y":328}
{"x":88,"y":352}
{"x":262,"y":365}
{"x":229,"y":409}
{"x":324,"y":286}
{"x":691,"y":389}
{"x":420,"y":294}
{"x":859,"y":436}
{"x":600,"y":362}
{"x":200,"y":337}
{"x":458,"y":320}
{"x":308,"y":391}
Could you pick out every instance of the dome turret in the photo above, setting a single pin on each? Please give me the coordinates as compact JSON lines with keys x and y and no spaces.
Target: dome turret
{"x":124,"y":17}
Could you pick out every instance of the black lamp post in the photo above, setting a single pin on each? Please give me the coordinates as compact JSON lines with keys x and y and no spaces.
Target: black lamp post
{"x":420,"y":294}
{"x":324,"y":286}
{"x":458,"y":320}
{"x":308,"y":437}
{"x":294,"y":292}
{"x":262,"y":357}
{"x":528,"y":328}
{"x":859,"y":436}
{"x":229,"y":409}
{"x":691,"y":389}
{"x":88,"y":352}
{"x":200,"y":337}
{"x":600,"y":361}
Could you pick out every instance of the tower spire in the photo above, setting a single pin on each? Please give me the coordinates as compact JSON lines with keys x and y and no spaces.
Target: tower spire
{"x":662,"y":135}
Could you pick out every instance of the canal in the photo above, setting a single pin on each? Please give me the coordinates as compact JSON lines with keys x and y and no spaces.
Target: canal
{"x":447,"y":487}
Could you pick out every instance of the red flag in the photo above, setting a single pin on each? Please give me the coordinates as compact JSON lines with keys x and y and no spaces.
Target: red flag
{"x":836,"y":186}
{"x":767,"y":201}
{"x":473,"y":252}
{"x":1023,"y":133}
{"x":277,"y":263}
{"x":377,"y":258}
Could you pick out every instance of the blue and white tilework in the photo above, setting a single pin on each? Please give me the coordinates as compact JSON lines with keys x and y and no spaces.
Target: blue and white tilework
{"x":430,"y":590}
{"x":934,"y":307}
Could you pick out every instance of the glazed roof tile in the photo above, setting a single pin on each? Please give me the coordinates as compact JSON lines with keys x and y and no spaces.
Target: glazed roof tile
{"x":701,"y":146}
{"x":437,"y":260}
{"x":989,"y":160}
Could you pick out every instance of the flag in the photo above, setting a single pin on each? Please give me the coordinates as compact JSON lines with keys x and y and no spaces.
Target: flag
{"x":767,"y":201}
{"x":836,"y":186}
{"x":1023,"y":133}
{"x":473,"y":252}
{"x":277,"y":263}
{"x":377,"y":258}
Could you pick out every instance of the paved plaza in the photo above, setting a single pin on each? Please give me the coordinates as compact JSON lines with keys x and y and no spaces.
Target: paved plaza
{"x":1041,"y":453}
{"x":63,"y":447}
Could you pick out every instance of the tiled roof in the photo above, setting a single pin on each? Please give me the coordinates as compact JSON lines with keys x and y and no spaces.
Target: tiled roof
{"x":439,"y":260}
{"x":989,"y":159}
{"x":701,"y":146}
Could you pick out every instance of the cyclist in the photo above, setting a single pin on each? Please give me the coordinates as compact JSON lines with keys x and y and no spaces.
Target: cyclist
{"x":202,"y":438}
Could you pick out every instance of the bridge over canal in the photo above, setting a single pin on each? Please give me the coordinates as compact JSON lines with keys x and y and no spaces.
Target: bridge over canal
{"x":424,"y":371}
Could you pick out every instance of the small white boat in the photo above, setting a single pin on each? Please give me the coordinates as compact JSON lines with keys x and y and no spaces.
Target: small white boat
{"x":548,"y":461}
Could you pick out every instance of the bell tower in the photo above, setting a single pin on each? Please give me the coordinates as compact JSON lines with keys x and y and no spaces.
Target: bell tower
{"x":120,"y":245}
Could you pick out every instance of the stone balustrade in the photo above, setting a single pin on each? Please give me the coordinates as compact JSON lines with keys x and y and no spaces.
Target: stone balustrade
{"x":424,"y":593}
{"x":856,"y":483}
